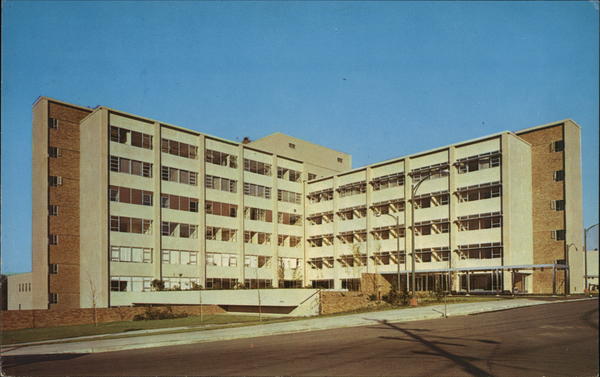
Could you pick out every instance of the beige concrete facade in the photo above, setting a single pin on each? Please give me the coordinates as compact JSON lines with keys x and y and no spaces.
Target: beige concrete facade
{"x":160,"y":202}
{"x":20,"y":291}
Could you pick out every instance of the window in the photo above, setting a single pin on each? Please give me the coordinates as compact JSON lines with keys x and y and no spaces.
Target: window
{"x":180,"y":257}
{"x":558,"y":235}
{"x":133,"y":138}
{"x":340,"y":160}
{"x":258,"y":214}
{"x":52,"y":210}
{"x":179,"y":149}
{"x":53,"y":152}
{"x":257,"y":167}
{"x":178,"y":175}
{"x":352,"y":189}
{"x":173,"y":229}
{"x":476,"y":192}
{"x":479,"y":162}
{"x":134,"y":167}
{"x":558,"y":205}
{"x":181,"y":203}
{"x":221,"y":209}
{"x":130,"y":196}
{"x":289,"y":174}
{"x":130,"y":254}
{"x":53,"y":269}
{"x":288,"y":196}
{"x":311,"y":176}
{"x":289,"y":218}
{"x":320,"y":196}
{"x":221,"y":283}
{"x":388,"y":181}
{"x":221,"y":158}
{"x":53,"y":239}
{"x":292,"y":145}
{"x":53,"y":123}
{"x":53,"y":298}
{"x":220,"y":259}
{"x":54,"y":181}
{"x":130,"y":225}
{"x":557,"y":146}
{"x":559,"y":175}
{"x":259,"y":238}
{"x":218,"y":183}
{"x":481,"y":221}
{"x":257,"y":190}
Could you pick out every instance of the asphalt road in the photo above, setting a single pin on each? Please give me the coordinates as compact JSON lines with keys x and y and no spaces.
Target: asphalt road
{"x":547,"y":340}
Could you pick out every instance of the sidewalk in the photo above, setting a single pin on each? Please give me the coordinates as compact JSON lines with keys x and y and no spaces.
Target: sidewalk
{"x":92,"y":345}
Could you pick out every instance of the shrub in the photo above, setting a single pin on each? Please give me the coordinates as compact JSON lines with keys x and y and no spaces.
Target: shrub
{"x":395,"y":297}
{"x":157,"y":285}
{"x":155,"y":313}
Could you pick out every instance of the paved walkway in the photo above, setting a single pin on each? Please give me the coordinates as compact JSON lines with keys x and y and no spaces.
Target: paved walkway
{"x":92,"y":345}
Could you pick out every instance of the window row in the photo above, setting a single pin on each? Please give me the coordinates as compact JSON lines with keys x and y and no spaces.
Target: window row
{"x":221,"y":158}
{"x":290,"y":263}
{"x":129,"y":195}
{"x":178,"y":148}
{"x":258,"y":238}
{"x":180,"y":203}
{"x":430,"y":172}
{"x":218,"y":183}
{"x":221,"y":283}
{"x":482,"y":223}
{"x":289,"y":219}
{"x":178,"y":175}
{"x":353,"y":189}
{"x":221,"y":259}
{"x":130,"y":254}
{"x":432,"y":255}
{"x":24,"y":287}
{"x":350,"y":214}
{"x":321,"y":196}
{"x":393,"y":180}
{"x":482,"y":253}
{"x":289,"y":174}
{"x":321,"y":218}
{"x":133,"y":167}
{"x":432,"y":201}
{"x":134,"y":138}
{"x":289,"y":241}
{"x":478,"y":164}
{"x":256,"y":261}
{"x":220,"y":209}
{"x":179,"y":257}
{"x":480,"y":194}
{"x":289,"y":196}
{"x":427,"y":229}
{"x":258,"y":214}
{"x":257,"y":167}
{"x":130,"y":284}
{"x":257,"y":190}
{"x":180,"y":230}
{"x":220,"y":234}
{"x":130,"y":225}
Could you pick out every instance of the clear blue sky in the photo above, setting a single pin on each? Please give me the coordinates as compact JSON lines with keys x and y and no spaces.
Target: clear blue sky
{"x":377,"y":80}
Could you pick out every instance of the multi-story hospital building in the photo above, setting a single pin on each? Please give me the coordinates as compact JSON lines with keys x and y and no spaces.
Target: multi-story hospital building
{"x":120,"y":201}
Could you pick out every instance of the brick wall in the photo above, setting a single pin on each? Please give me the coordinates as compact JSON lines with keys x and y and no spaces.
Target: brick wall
{"x":66,"y":197}
{"x":545,"y":189}
{"x":22,"y":319}
{"x":338,"y":302}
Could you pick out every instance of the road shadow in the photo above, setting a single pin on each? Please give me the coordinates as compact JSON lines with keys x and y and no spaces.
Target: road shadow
{"x":462,"y":361}
{"x":21,"y":360}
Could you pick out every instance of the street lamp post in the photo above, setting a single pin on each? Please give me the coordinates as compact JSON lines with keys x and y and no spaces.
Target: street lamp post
{"x":585,"y":261}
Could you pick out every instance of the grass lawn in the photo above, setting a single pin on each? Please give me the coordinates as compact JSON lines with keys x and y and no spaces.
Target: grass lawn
{"x":220,"y":320}
{"x":61,"y":332}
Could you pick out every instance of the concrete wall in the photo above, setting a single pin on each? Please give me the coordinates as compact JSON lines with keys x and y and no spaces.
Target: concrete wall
{"x":318,"y":159}
{"x":94,"y":276}
{"x":20,"y":292}
{"x":39,"y":204}
{"x":574,"y":206}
